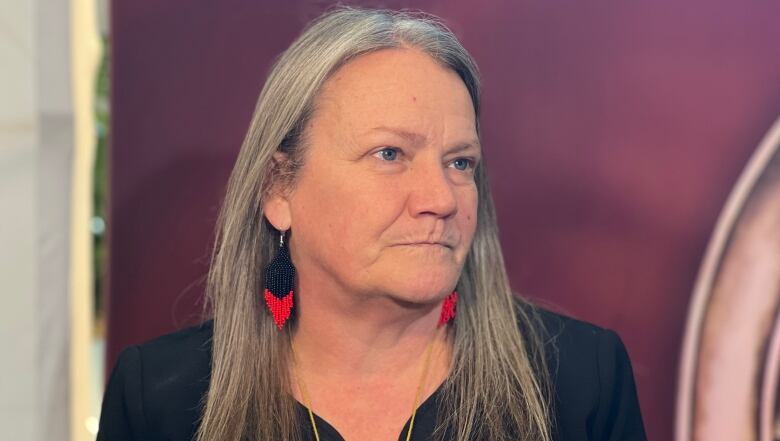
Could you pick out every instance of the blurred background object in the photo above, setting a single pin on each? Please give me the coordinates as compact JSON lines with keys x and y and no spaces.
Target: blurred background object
{"x":52,"y":366}
{"x":731,"y":355}
{"x":615,"y":132}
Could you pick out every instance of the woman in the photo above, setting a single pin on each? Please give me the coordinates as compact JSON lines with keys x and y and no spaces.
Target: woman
{"x":357,"y":285}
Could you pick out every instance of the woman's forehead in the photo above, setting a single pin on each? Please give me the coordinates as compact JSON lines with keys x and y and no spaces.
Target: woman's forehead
{"x":396,"y":87}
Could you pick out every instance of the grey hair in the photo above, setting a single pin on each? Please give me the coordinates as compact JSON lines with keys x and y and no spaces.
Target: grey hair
{"x":498,"y":387}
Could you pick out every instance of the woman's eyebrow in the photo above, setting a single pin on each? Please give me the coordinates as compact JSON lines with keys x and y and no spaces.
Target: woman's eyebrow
{"x":412,"y":137}
{"x":457,"y":148}
{"x":417,"y":139}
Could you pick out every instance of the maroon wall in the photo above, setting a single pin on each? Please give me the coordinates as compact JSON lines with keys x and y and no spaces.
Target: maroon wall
{"x":614,"y":132}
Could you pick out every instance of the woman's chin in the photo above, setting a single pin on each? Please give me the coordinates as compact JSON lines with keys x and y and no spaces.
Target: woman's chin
{"x":414,"y":281}
{"x":425,"y":292}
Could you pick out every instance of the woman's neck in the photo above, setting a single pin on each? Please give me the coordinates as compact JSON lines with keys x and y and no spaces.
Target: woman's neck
{"x":364,"y":337}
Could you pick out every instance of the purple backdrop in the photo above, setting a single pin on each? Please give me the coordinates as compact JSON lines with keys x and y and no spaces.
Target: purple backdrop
{"x":614,"y":131}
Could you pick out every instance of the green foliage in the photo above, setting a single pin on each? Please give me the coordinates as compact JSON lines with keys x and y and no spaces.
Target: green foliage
{"x":100,"y":187}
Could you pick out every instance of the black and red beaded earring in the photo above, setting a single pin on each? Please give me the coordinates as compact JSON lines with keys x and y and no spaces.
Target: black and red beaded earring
{"x":279,"y":281}
{"x":448,"y":308}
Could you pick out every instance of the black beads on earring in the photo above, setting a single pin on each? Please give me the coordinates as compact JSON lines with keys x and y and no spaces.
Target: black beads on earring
{"x":279,"y":281}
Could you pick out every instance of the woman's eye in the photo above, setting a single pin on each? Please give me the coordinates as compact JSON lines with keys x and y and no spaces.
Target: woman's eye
{"x":463,"y":164}
{"x":388,"y":154}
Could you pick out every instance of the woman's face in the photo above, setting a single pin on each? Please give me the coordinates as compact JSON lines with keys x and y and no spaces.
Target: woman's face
{"x":386,"y":203}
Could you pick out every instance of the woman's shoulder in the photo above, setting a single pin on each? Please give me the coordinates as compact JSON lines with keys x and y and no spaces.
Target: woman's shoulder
{"x":594,"y":393}
{"x":185,"y":342}
{"x":157,"y":386}
{"x":177,"y":364}
{"x":568,"y":338}
{"x":574,"y":337}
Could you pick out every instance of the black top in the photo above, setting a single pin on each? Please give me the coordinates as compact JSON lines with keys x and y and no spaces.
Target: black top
{"x":155,"y":388}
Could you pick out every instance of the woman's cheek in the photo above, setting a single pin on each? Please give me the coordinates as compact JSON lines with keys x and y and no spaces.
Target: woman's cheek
{"x":470,"y":205}
{"x":469,"y":227}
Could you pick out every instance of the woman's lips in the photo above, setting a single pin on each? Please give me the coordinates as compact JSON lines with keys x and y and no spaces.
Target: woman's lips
{"x":427,"y":244}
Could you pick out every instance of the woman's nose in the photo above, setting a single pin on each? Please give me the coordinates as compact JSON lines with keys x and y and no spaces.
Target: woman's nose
{"x":431,"y":192}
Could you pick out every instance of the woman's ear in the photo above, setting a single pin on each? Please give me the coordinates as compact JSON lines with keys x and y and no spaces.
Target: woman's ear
{"x":276,"y":203}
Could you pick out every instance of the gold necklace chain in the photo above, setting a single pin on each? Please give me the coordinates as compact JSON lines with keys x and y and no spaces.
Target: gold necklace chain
{"x":420,"y":387}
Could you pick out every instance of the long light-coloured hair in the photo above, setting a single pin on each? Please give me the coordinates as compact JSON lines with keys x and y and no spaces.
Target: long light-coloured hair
{"x":498,"y":387}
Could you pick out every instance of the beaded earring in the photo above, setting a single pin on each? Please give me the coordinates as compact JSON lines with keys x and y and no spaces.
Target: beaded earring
{"x":448,"y":308}
{"x":279,"y":281}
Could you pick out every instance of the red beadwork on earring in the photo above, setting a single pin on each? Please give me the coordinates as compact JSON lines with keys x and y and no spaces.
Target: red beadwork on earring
{"x":448,"y":308}
{"x":280,"y":307}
